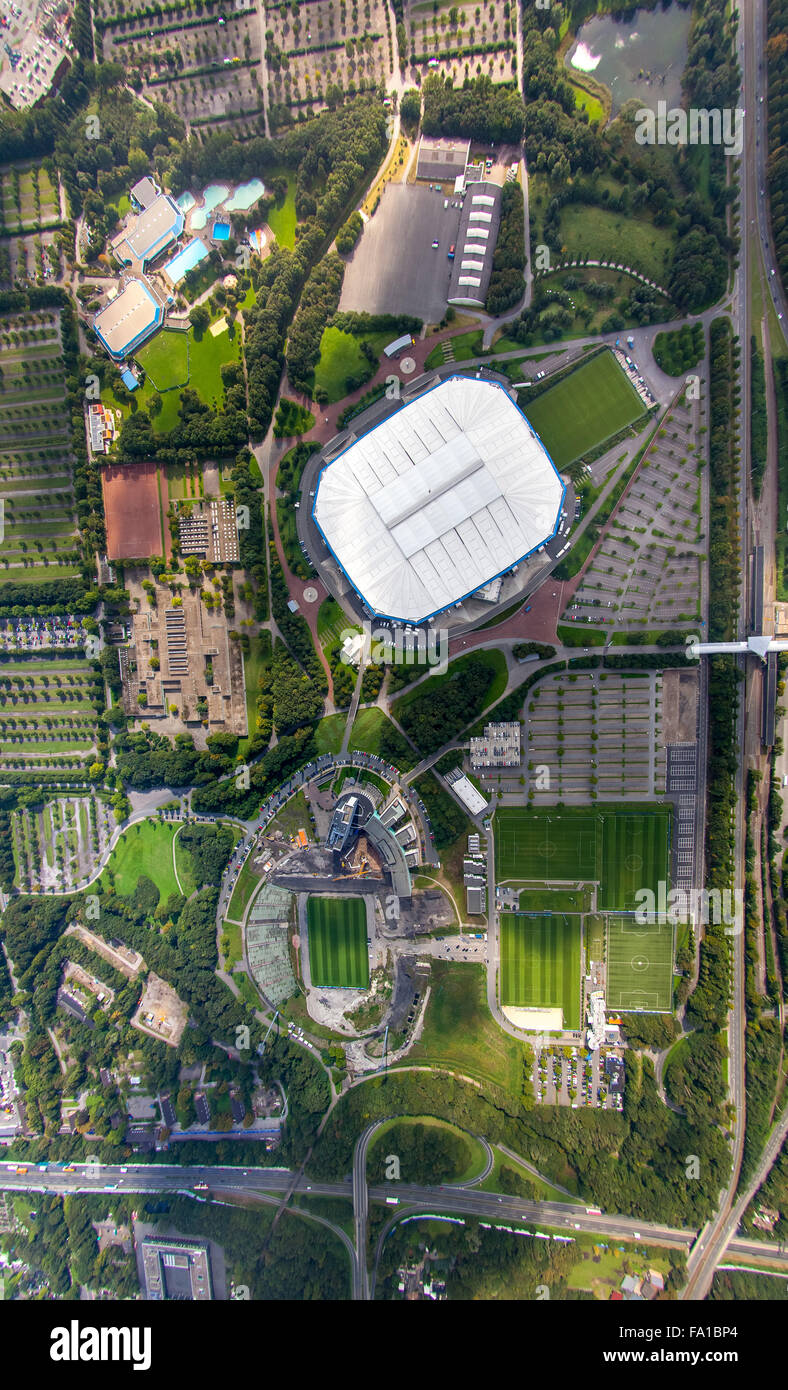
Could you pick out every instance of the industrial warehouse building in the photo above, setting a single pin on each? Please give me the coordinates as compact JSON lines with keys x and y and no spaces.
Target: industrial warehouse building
{"x":444,"y":160}
{"x":450,"y":491}
{"x":473,"y":259}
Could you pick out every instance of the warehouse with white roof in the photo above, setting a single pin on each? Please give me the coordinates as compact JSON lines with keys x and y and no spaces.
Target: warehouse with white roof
{"x":473,"y":258}
{"x":450,"y":491}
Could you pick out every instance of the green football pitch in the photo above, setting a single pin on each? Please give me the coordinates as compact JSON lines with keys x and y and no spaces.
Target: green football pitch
{"x":639,"y":965}
{"x":338,"y":942}
{"x":540,"y":963}
{"x":621,"y":849}
{"x":547,"y":845}
{"x":588,"y":406}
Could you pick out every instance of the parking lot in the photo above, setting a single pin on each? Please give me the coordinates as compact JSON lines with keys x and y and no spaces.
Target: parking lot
{"x":597,"y":733}
{"x":569,"y":1076}
{"x":394,"y":269}
{"x":647,"y":570}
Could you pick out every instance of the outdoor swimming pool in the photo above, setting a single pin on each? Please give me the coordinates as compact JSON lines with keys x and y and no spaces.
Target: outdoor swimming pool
{"x":221,"y":231}
{"x":186,"y":260}
{"x":186,"y":202}
{"x":245,"y":195}
{"x":213,"y":195}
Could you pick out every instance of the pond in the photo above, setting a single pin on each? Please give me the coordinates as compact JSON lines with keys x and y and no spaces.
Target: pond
{"x":642,"y":56}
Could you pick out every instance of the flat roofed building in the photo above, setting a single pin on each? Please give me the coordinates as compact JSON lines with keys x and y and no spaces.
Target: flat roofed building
{"x":467,"y":792}
{"x":128,"y":320}
{"x":476,"y":899}
{"x":500,"y":746}
{"x":442,"y":159}
{"x":144,"y":193}
{"x":444,"y":495}
{"x":151,"y":232}
{"x":176,"y":1269}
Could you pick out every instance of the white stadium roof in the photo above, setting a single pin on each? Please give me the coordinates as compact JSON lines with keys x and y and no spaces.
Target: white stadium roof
{"x":450,"y":491}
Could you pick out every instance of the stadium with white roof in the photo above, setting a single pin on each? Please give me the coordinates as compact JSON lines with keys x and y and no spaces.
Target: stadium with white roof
{"x":443,"y":496}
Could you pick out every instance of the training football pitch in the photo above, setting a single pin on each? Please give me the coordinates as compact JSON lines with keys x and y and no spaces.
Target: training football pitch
{"x":639,"y":965}
{"x":583,"y":409}
{"x":540,"y":963}
{"x":338,"y":942}
{"x":620,"y":849}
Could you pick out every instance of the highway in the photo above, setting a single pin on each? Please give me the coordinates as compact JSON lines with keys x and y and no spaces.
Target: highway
{"x":272,"y":1184}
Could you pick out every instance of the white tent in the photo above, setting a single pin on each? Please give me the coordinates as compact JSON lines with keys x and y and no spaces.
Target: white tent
{"x":448,"y":492}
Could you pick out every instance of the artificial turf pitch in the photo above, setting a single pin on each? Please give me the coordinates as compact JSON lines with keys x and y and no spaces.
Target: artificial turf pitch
{"x":639,"y":964}
{"x":540,"y":963}
{"x":586,"y":407}
{"x":338,"y":953}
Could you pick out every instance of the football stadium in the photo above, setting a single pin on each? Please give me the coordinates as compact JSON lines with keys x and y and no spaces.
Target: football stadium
{"x":448,"y":493}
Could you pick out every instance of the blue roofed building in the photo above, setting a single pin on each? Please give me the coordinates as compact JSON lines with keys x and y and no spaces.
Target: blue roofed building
{"x":130,"y":318}
{"x":150,"y":232}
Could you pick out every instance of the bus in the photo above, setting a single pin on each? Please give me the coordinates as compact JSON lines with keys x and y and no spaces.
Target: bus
{"x":21,"y":1170}
{"x":392,"y":1201}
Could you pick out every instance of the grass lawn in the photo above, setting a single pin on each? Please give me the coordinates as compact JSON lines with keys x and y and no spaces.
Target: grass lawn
{"x":465,"y":346}
{"x":207,"y":357}
{"x":329,"y":733}
{"x":338,"y":953}
{"x":602,"y":1264}
{"x":282,"y":220}
{"x":639,"y":964}
{"x":185,"y":868}
{"x":245,"y":885}
{"x":555,"y":900}
{"x":586,"y":102}
{"x":540,"y":963}
{"x":368,"y":727}
{"x":545,"y":1191}
{"x":247,"y":988}
{"x":341,"y":357}
{"x":255,"y":663}
{"x":588,"y":406}
{"x":598,"y":234}
{"x":174,"y":359}
{"x":459,"y":1030}
{"x":145,"y":848}
{"x":165,"y":359}
{"x":232,"y":932}
{"x":331,"y":622}
{"x":294,"y":816}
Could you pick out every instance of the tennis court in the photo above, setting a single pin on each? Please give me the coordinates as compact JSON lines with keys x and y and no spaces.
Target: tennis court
{"x":639,"y":965}
{"x":540,"y":963}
